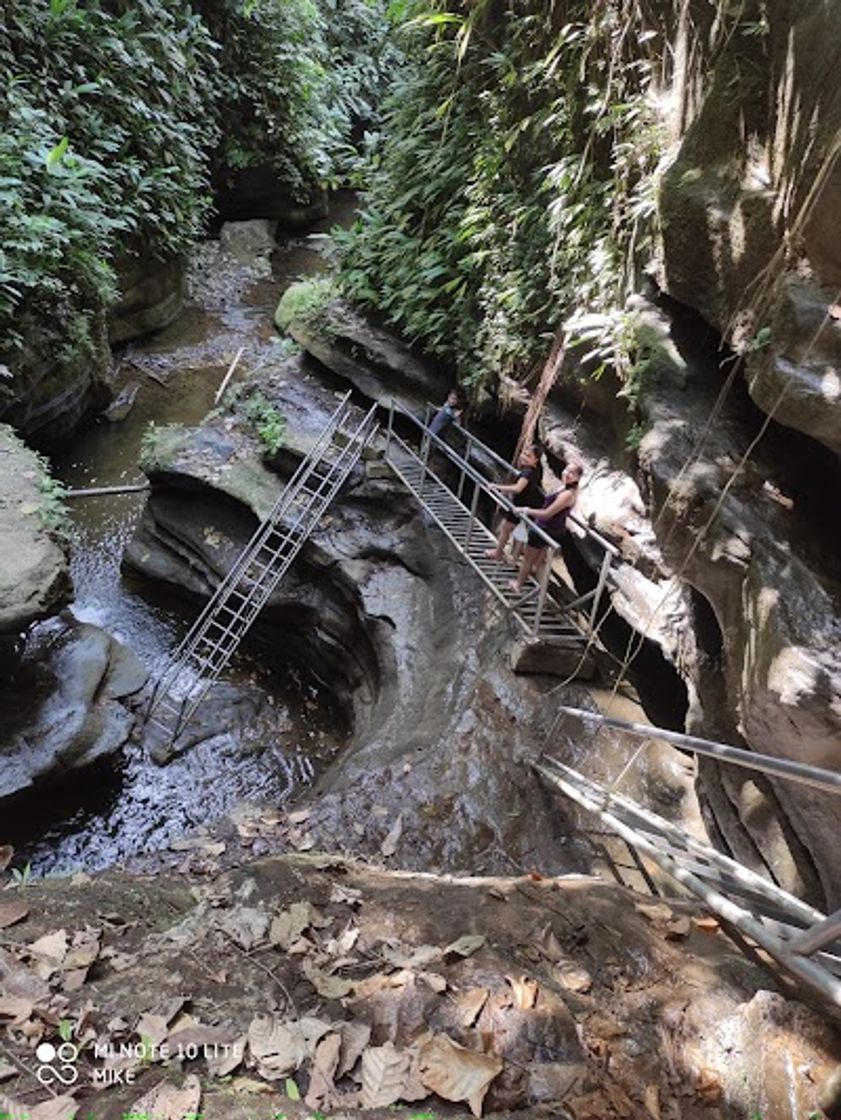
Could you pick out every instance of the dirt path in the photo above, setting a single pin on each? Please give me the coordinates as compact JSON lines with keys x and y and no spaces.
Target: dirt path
{"x":227,"y":995}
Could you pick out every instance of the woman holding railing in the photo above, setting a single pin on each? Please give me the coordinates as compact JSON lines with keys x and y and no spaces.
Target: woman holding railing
{"x":552,"y":519}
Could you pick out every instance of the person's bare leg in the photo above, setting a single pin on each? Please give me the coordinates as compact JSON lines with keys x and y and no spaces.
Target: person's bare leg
{"x":531,"y":557}
{"x":505,"y":531}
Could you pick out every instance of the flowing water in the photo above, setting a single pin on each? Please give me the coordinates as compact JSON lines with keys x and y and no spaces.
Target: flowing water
{"x":127,"y":804}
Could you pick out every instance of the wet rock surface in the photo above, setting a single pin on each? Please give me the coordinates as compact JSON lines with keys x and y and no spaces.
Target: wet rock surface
{"x":55,"y":387}
{"x":64,"y":706}
{"x":372,"y":359}
{"x":536,"y":998}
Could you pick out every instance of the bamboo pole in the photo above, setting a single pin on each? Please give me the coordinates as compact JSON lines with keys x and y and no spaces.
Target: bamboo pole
{"x":228,"y":375}
{"x":99,"y":491}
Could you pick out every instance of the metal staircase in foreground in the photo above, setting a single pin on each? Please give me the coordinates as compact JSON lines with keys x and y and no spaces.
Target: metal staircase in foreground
{"x":804,"y":943}
{"x":215,"y":635}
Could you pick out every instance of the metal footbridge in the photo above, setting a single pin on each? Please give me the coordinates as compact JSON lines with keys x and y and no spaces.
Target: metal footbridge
{"x":239,"y":598}
{"x":454,"y":487}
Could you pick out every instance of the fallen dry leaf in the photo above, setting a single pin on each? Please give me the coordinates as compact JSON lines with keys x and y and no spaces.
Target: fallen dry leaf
{"x":349,"y":895}
{"x":299,"y":816}
{"x":324,"y":1065}
{"x":251,"y":1085}
{"x":677,"y":928}
{"x":224,"y":1064}
{"x":574,"y":977}
{"x":169,"y":1102}
{"x":16,"y":1009}
{"x":57,"y":1108}
{"x":469,"y":1005}
{"x":49,"y":952}
{"x":434,"y":980}
{"x":385,"y":1072}
{"x":655,"y":911}
{"x":389,"y":845}
{"x":707,"y":924}
{"x":465,"y":946}
{"x":417,"y":958}
{"x":289,"y":924}
{"x":525,"y":991}
{"x":456,"y":1073}
{"x":7,"y":1070}
{"x":83,"y":950}
{"x":12,"y":912}
{"x":6,"y":853}
{"x":355,"y":1037}
{"x":328,"y":987}
{"x":155,"y":1028}
{"x":280,"y":1047}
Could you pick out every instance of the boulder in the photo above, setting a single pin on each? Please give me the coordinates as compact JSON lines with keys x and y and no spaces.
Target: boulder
{"x":34,"y":572}
{"x":151,"y":296}
{"x":62,"y":708}
{"x":245,"y":241}
{"x":372,"y":359}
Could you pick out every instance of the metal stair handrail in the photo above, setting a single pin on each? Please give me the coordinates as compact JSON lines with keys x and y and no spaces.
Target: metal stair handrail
{"x":482,"y":484}
{"x":798,"y":936}
{"x":474,"y":441}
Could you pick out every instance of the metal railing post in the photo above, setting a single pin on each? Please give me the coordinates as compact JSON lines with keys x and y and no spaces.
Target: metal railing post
{"x":424,"y":462}
{"x":545,"y":576}
{"x":605,"y":568}
{"x":473,"y":507}
{"x":389,"y":430}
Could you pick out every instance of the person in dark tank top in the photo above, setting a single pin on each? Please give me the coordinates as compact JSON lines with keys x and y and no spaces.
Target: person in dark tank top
{"x":551,"y":516}
{"x":525,"y":489}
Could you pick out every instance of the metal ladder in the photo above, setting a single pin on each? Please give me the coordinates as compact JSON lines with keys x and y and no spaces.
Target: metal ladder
{"x":547,"y":607}
{"x":801,"y":939}
{"x":215,"y":635}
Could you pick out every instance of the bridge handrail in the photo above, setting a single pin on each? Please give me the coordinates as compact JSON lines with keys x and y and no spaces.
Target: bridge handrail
{"x":498,"y":459}
{"x":815,"y":776}
{"x":479,"y":479}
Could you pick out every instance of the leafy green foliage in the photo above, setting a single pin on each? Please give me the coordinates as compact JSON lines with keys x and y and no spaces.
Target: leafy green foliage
{"x":107,"y":124}
{"x":516,"y":183}
{"x":113,"y":113}
{"x":160,"y":445}
{"x":267,"y":422}
{"x":298,"y":78}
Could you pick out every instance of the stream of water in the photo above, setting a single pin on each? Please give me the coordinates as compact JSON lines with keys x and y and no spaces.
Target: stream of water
{"x":127,"y":804}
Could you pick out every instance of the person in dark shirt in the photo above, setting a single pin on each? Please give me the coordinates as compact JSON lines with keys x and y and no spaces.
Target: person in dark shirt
{"x":526,"y":489}
{"x":551,"y":516}
{"x":451,"y":412}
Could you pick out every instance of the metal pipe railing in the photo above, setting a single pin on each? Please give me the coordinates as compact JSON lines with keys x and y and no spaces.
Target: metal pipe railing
{"x":499,"y":499}
{"x":801,"y":772}
{"x":474,"y":441}
{"x":480,"y":485}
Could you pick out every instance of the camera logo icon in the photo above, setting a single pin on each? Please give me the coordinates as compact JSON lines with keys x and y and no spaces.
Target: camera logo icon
{"x":57,"y":1064}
